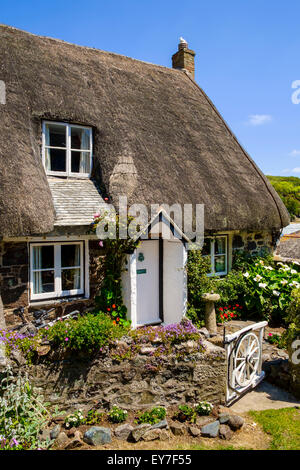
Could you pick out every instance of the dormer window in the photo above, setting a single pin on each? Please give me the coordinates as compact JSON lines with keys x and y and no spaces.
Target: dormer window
{"x":67,"y":149}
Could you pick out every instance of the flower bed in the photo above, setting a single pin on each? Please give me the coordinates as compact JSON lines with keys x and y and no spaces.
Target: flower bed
{"x":94,"y":334}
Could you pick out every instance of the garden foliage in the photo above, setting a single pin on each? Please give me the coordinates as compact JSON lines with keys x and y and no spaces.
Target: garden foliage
{"x":257,"y":287}
{"x":22,"y":415}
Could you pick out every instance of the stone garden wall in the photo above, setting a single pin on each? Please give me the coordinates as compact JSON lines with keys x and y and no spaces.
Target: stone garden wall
{"x":132,"y":384}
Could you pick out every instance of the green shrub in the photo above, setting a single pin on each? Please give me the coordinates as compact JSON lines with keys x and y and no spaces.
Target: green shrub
{"x":153,"y":416}
{"x":278,"y":340}
{"x":117,"y":415}
{"x":186,"y":413}
{"x":258,"y":284}
{"x":93,"y":417}
{"x":232,"y":288}
{"x":293,"y":316}
{"x":203,"y":408}
{"x":22,"y":415}
{"x":198,"y":283}
{"x":270,"y":286}
{"x":75,"y":419}
{"x":89,"y":333}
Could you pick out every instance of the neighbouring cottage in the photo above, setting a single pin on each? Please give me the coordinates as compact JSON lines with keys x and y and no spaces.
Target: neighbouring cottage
{"x":288,"y":249}
{"x":81,"y":127}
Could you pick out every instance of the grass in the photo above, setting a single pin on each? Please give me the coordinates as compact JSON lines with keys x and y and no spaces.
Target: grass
{"x":282,"y":425}
{"x":215,"y":447}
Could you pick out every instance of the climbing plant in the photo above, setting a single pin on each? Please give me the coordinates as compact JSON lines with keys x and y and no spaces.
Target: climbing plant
{"x":110,"y":298}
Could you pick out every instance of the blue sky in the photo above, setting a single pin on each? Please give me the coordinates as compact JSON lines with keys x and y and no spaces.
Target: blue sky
{"x":247,"y":56}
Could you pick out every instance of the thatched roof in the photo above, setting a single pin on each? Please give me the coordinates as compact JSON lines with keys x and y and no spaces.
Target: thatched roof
{"x":158,"y":118}
{"x":289,"y":247}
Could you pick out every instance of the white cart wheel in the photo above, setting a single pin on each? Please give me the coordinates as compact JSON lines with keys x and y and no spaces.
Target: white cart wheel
{"x":246,"y":359}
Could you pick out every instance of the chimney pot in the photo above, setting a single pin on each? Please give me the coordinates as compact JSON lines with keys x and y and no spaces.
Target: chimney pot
{"x":182,"y":44}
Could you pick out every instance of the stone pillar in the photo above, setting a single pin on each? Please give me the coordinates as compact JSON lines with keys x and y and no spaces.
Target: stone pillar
{"x":210,"y":313}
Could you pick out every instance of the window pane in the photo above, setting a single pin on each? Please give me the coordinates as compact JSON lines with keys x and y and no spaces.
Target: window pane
{"x":206,"y":250}
{"x":80,"y":162}
{"x":220,"y":245}
{"x":70,"y":279}
{"x":220,"y":264}
{"x":80,"y":138}
{"x":55,"y":160}
{"x":70,"y":256}
{"x":56,"y":135}
{"x":43,"y":282}
{"x":43,"y":257}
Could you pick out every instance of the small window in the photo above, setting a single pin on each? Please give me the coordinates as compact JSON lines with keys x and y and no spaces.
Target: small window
{"x":56,"y":270}
{"x":67,"y":149}
{"x":216,"y":249}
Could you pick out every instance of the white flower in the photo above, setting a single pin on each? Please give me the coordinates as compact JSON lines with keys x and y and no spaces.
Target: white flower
{"x":293,"y":271}
{"x":294,"y":284}
{"x":246,"y":274}
{"x":258,"y":278}
{"x":261,"y":262}
{"x":284,"y":282}
{"x":275,"y":292}
{"x":262,"y":285}
{"x":269,"y":268}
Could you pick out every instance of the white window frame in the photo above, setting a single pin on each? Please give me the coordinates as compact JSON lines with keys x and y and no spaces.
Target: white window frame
{"x":58,"y":292}
{"x":68,"y":149}
{"x":213,"y":255}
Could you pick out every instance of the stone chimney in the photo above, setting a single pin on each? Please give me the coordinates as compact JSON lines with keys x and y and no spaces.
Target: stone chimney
{"x":184,"y":58}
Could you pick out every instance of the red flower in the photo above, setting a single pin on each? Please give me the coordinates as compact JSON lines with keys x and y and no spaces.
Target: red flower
{"x":229,"y":306}
{"x":108,"y":309}
{"x":221,"y":309}
{"x":226,"y":316}
{"x":106,"y":199}
{"x":221,"y":316}
{"x":118,"y":319}
{"x":113,"y":306}
{"x":237,"y":305}
{"x":231,"y":315}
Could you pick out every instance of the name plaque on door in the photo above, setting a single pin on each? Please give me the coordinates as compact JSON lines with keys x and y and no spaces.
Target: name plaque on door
{"x":141,"y":271}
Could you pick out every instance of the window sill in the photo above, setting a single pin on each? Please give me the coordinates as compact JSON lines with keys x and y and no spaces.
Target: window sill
{"x":56,"y":301}
{"x":66,"y":175}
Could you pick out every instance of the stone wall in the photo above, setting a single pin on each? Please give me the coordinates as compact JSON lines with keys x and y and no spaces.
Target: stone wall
{"x":294,"y":367}
{"x":103,"y":382}
{"x":255,"y":243}
{"x":14,"y":275}
{"x":14,"y":283}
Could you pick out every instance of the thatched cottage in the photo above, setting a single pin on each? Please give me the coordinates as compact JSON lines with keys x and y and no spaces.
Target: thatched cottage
{"x":80,"y":126}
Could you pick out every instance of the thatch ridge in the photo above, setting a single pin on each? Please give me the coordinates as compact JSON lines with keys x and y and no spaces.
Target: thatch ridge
{"x":180,"y":147}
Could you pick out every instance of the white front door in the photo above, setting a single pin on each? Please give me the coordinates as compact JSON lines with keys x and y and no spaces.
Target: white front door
{"x":147,"y":271}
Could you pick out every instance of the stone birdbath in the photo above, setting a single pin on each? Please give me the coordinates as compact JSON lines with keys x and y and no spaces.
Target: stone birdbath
{"x":210,"y":314}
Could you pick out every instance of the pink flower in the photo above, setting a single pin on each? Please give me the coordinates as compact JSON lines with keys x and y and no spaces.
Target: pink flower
{"x":270,"y":334}
{"x":67,"y":339}
{"x":96,"y":215}
{"x":101,"y":243}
